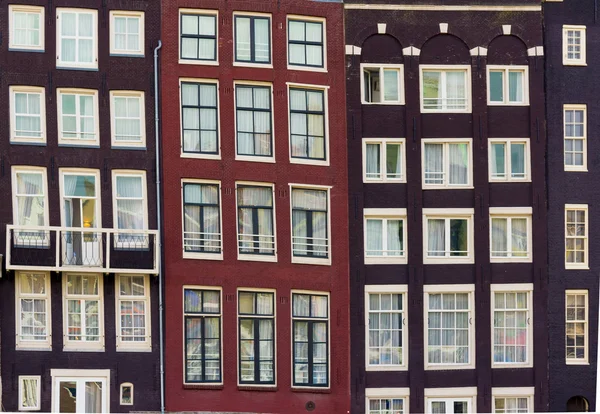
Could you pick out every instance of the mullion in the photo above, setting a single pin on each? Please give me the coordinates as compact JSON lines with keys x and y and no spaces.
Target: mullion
{"x":198,"y":37}
{"x":310,"y":351}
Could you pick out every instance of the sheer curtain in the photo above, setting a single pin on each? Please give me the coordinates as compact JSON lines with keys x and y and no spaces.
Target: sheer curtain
{"x":262,"y":121}
{"x":436,"y":237}
{"x":374,"y":237}
{"x":301,"y":305}
{"x":394,"y":238}
{"x":30,"y":199}
{"x":85,"y":35}
{"x":316,"y":125}
{"x":373,"y":162}
{"x":29,"y":398}
{"x":261,"y":40}
{"x":93,"y":397}
{"x":130,"y":205}
{"x":191,"y":117}
{"x":298,"y":123}
{"x":390,"y":84}
{"x":28,"y":115}
{"x":455,"y":90}
{"x":189,"y":46}
{"x":127,"y":118}
{"x":515,"y":86}
{"x":251,"y":199}
{"x":242,"y":38}
{"x":458,"y":164}
{"x":296,"y":51}
{"x":393,"y":161}
{"x":438,"y":407}
{"x":497,"y":160}
{"x":499,"y":237}
{"x":86,"y":117}
{"x":434,"y":163}
{"x":309,"y":241}
{"x":519,"y":237}
{"x":208,"y":118}
{"x":517,"y":160}
{"x":314,"y":53}
{"x":206,"y":47}
{"x":68,"y":31}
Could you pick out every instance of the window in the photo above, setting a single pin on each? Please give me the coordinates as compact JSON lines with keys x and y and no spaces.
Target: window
{"x":576,"y":236}
{"x":133,"y":310}
{"x":252,"y":39}
{"x":385,"y":235}
{"x":30,"y":206}
{"x":576,"y":326}
{"x":445,"y":89}
{"x":449,"y":339}
{"x":256,"y":318}
{"x":127,"y":33}
{"x":78,"y":117}
{"x":509,"y":159}
{"x":83,"y":311}
{"x":383,"y":160}
{"x":200,"y":118}
{"x":448,"y":235}
{"x":510,"y":234}
{"x":575,"y":118}
{"x":130,"y":209}
{"x":449,"y":405}
{"x":34,"y":327}
{"x":574,"y":45}
{"x":310,"y":325}
{"x":387,"y":400}
{"x":202,"y":219}
{"x":198,"y":30}
{"x":80,"y":391}
{"x":28,"y":114}
{"x":382,"y":84}
{"x":256,"y":221}
{"x":513,"y":399}
{"x":310,"y":224}
{"x":447,"y":164}
{"x":77,"y":39}
{"x":387,"y":335}
{"x":306,"y":43}
{"x":512,"y":337}
{"x":128,"y":120}
{"x":126,"y":393}
{"x":508,"y":85}
{"x":202,"y":314}
{"x":253,"y":121}
{"x":307,"y":124}
{"x":29,"y":392}
{"x":26,"y":28}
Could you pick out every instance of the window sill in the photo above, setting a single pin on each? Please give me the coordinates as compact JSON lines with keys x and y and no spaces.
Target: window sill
{"x":383,"y":368}
{"x":385,"y":260}
{"x":508,"y":103}
{"x":24,"y":49}
{"x":251,"y":158}
{"x":80,"y":349}
{"x":131,"y":146}
{"x":256,"y":258}
{"x":311,"y":390}
{"x":576,"y":169}
{"x":200,"y":156}
{"x":33,"y":348}
{"x":78,"y":145}
{"x":202,"y":256}
{"x":253,"y":65}
{"x":382,"y":181}
{"x":439,"y":187}
{"x":448,"y":260}
{"x":307,"y":68}
{"x":573,"y":362}
{"x":576,"y":267}
{"x":497,"y":181}
{"x":307,"y":260}
{"x":435,"y":111}
{"x":447,"y":367}
{"x":28,"y":141}
{"x":391,"y":103}
{"x":308,"y":161}
{"x":123,"y":348}
{"x":511,"y":259}
{"x":215,"y":387}
{"x":511,"y":366}
{"x":83,"y":68}
{"x":565,"y":63}
{"x":264,"y":388}
{"x":127,"y":54}
{"x":198,"y":62}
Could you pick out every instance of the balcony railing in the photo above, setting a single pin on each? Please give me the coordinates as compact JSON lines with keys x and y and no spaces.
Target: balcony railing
{"x":81,"y":249}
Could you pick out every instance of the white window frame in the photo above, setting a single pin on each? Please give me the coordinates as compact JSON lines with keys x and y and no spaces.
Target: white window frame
{"x":449,"y":289}
{"x":507,"y":159}
{"x":14,"y":89}
{"x":326,"y":261}
{"x":38,"y":389}
{"x":249,"y":256}
{"x":77,"y":172}
{"x":386,"y":214}
{"x":78,"y":141}
{"x":16,"y":169}
{"x":310,"y":19}
{"x":271,"y":46}
{"x":388,"y":393}
{"x":140,"y":51}
{"x":325,"y":91}
{"x":586,"y":243}
{"x":388,"y":289}
{"x":510,"y":213}
{"x":60,"y":64}
{"x":121,"y":388}
{"x":83,"y":346}
{"x":381,"y":67}
{"x":129,"y":346}
{"x":450,"y":395}
{"x":447,"y":214}
{"x":446,"y":160}
{"x":574,"y":62}
{"x":206,"y":12}
{"x":576,"y":107}
{"x":129,"y":173}
{"x":382,"y":142}
{"x":81,"y":376}
{"x":446,"y":68}
{"x":141,"y":143}
{"x":22,"y":8}
{"x":514,"y":288}
{"x":514,"y":392}
{"x":506,"y":69}
{"x":586,"y":359}
{"x":21,"y":344}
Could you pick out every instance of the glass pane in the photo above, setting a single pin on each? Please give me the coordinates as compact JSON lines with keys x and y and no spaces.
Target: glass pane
{"x":496,"y":86}
{"x":93,"y":397}
{"x":390,"y":83}
{"x":67,"y":396}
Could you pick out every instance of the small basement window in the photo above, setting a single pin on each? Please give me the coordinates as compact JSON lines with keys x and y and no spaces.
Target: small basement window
{"x":126,"y":393}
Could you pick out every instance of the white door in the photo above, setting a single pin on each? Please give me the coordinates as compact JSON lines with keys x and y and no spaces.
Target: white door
{"x":449,"y":406}
{"x":80,"y":395}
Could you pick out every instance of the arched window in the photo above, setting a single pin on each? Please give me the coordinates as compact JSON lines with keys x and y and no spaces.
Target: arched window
{"x":578,"y":404}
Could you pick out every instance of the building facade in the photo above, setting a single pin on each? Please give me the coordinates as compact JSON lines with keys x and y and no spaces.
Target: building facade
{"x":255,"y":196}
{"x":77,"y":155}
{"x":571,"y":104}
{"x":446,"y":157}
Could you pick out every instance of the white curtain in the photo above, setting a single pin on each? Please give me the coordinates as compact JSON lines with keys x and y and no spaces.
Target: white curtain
{"x":298,"y":123}
{"x":373,"y":163}
{"x":393,"y":161}
{"x":26,"y":28}
{"x":120,"y":29}
{"x":264,"y":304}
{"x":27,"y":114}
{"x":455,"y":90}
{"x":394,"y":238}
{"x":497,"y":160}
{"x":434,"y":163}
{"x":390,"y":84}
{"x":436,"y":237}
{"x":438,"y":407}
{"x":314,"y":239}
{"x":251,"y":199}
{"x":432,"y":93}
{"x":254,"y":127}
{"x":29,"y":398}
{"x":499,"y":237}
{"x":189,"y":46}
{"x":519,"y":236}
{"x":374,"y":237}
{"x":261,"y":40}
{"x":127,"y":118}
{"x":242,"y":38}
{"x":30,"y":199}
{"x":517,"y":160}
{"x":301,"y":305}
{"x":68,"y":31}
{"x":130,"y":203}
{"x":458,"y":164}
{"x":93,"y":397}
{"x":206,"y":47}
{"x":86,"y":114}
{"x":85,"y":43}
{"x":515,"y":85}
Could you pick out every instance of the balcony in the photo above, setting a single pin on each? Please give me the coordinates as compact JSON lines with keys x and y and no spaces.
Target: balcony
{"x":64,"y":249}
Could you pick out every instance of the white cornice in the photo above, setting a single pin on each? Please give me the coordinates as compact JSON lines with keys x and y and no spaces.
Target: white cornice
{"x":435,"y":7}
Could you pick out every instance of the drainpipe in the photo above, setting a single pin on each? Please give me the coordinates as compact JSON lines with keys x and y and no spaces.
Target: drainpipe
{"x":159,"y":227}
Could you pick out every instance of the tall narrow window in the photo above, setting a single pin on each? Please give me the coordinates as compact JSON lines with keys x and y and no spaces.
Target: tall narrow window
{"x":448,"y":237}
{"x":383,"y":160}
{"x":256,"y":227}
{"x":78,"y":117}
{"x":306,"y":43}
{"x":128,"y":119}
{"x":130,"y":209}
{"x":77,"y":38}
{"x":127,"y":33}
{"x":509,"y":160}
{"x":576,"y":236}
{"x":576,"y":326}
{"x":33,"y":310}
{"x":575,"y":125}
{"x":253,"y":121}
{"x":307,"y":123}
{"x":512,"y":334}
{"x":446,"y":164}
{"x":202,"y":309}
{"x":26,"y":24}
{"x":517,"y":404}
{"x":310,"y":223}
{"x":201,"y":218}
{"x":27,"y":114}
{"x":386,"y":322}
{"x":29,"y":392}
{"x":83,"y":311}
{"x":310,"y":326}
{"x":382,"y":84}
{"x":445,"y":90}
{"x":30,"y":208}
{"x":133,"y":303}
{"x":200,"y":120}
{"x":252,"y":39}
{"x":508,"y":85}
{"x":385,"y":236}
{"x":510,"y":234}
{"x":256,"y":318}
{"x":574,"y":45}
{"x":198,"y":32}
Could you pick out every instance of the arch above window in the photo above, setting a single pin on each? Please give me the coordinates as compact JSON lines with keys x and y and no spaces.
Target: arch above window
{"x":578,"y":404}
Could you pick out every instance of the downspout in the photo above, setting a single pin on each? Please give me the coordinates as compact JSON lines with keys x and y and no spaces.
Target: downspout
{"x":159,"y":227}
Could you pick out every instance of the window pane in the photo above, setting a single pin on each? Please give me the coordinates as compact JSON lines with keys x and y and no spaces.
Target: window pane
{"x":458,"y":237}
{"x":515,"y":84}
{"x":517,"y":160}
{"x":496,"y":86}
{"x":390,"y":81}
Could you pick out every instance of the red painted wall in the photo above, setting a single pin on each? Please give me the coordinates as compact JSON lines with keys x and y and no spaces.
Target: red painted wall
{"x":231,"y":273}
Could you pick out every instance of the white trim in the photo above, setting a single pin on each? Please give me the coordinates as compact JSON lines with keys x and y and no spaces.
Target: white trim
{"x":506,"y":69}
{"x":586,"y":358}
{"x":21,"y":344}
{"x":450,"y":392}
{"x":411,"y":51}
{"x":14,"y":89}
{"x":80,"y":376}
{"x":508,"y":161}
{"x":141,"y":174}
{"x":77,"y":93}
{"x":382,"y":142}
{"x":142,"y":117}
{"x":449,"y":395}
{"x":16,"y":169}
{"x":60,"y":64}
{"x":506,"y":28}
{"x":581,"y":61}
{"x":513,"y":391}
{"x":586,"y":238}
{"x":130,"y":346}
{"x":299,"y":17}
{"x":381,"y":67}
{"x":391,"y":392}
{"x":510,"y":213}
{"x":384,"y":215}
{"x":443,"y":69}
{"x":268,"y":16}
{"x":443,"y":27}
{"x":576,"y":107}
{"x":208,"y":12}
{"x":123,"y":385}
{"x":446,"y":142}
{"x":448,"y":214}
{"x":437,"y":7}
{"x":22,"y":8}
{"x":38,"y":390}
{"x":140,"y":51}
{"x":381,"y":28}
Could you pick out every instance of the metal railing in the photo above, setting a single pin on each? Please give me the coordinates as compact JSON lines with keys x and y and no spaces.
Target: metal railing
{"x":256,"y":244}
{"x":202,"y":242}
{"x":310,"y":246}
